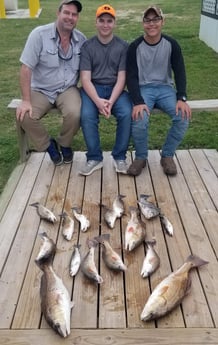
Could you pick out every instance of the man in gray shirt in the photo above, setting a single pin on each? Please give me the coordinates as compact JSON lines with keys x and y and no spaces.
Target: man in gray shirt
{"x":48,"y":77}
{"x":103,"y":78}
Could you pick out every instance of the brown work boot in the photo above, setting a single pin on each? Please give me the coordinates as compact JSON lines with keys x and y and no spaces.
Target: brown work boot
{"x":136,"y":167}
{"x":169,"y":167}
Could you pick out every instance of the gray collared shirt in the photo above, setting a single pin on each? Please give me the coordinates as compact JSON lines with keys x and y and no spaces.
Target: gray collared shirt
{"x":52,"y":74}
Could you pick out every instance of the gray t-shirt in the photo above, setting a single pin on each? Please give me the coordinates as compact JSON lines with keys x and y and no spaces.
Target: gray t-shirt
{"x":51,"y":74}
{"x":104,"y":60}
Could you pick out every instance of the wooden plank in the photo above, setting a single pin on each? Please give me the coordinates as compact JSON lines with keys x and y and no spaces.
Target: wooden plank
{"x":177,"y":245}
{"x":111,"y":298}
{"x":170,"y":336}
{"x":199,"y":245}
{"x":9,"y":188}
{"x":208,"y":175}
{"x":202,"y":199}
{"x":9,"y":223}
{"x":204,"y":104}
{"x":135,"y":287}
{"x":86,"y":292}
{"x":211,"y":155}
{"x":55,"y":202}
{"x":200,"y":105}
{"x":28,"y":310}
{"x":162,"y":196}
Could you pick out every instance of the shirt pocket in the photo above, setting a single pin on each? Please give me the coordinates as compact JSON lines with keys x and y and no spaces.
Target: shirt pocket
{"x":49,"y":58}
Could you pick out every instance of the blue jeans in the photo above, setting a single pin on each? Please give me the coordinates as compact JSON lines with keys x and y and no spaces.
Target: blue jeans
{"x":162,"y":97}
{"x":121,"y":109}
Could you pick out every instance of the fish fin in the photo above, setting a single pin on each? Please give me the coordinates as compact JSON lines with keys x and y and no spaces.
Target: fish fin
{"x":151,"y":242}
{"x":188,"y":288}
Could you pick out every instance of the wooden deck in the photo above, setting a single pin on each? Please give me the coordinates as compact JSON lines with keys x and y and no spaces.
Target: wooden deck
{"x":110,"y":313}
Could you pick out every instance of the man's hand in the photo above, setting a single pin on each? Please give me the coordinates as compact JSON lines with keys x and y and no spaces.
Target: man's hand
{"x":184,"y":108}
{"x":22,"y":109}
{"x":138,"y":111}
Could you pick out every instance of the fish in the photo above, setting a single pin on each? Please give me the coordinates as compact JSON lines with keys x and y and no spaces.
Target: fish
{"x":75,"y":260}
{"x":56,"y":304}
{"x":167,"y":226}
{"x":47,"y":248}
{"x":110,"y":257}
{"x":67,"y":226}
{"x":151,"y":261}
{"x":135,"y":231}
{"x":170,"y":291}
{"x":82,"y":219}
{"x":44,"y":212}
{"x":147,"y":208}
{"x":109,"y":216}
{"x":118,"y":205}
{"x":88,"y":266}
{"x":116,"y":211}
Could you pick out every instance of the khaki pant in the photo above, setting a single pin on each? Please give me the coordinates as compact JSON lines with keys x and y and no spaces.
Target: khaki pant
{"x":69,"y":104}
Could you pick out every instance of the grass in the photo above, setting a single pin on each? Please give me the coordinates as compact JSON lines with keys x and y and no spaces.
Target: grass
{"x":182,"y":22}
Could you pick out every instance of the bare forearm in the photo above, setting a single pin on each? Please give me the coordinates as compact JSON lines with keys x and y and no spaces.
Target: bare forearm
{"x":25,"y":83}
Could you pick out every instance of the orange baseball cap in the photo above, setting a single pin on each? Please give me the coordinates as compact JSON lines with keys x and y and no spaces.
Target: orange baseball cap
{"x":105,"y":9}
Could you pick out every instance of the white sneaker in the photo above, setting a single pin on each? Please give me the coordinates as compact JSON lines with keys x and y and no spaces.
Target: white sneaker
{"x":120,"y":166}
{"x":90,"y":167}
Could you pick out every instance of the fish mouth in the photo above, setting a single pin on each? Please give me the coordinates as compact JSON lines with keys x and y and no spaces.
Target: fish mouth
{"x":61,"y":330}
{"x":147,"y":317}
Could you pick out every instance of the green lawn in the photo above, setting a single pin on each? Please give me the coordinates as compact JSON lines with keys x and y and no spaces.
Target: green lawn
{"x":182,"y":22}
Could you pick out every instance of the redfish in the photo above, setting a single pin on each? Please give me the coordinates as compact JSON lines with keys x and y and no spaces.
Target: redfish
{"x":170,"y":292}
{"x":135,"y":230}
{"x":88,"y":266}
{"x":110,"y":257}
{"x":44,"y":212}
{"x":55,"y":300}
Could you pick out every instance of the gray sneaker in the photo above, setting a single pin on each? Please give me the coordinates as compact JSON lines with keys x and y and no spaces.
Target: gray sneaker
{"x":90,"y":167}
{"x":120,"y":166}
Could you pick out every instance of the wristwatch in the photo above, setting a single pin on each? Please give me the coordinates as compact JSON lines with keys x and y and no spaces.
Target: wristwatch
{"x":183,"y":98}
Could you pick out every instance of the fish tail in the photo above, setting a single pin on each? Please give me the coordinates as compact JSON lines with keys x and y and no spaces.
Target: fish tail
{"x":92,"y":242}
{"x":145,"y":196}
{"x":196,"y":261}
{"x":102,"y":238}
{"x":151,"y":242}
